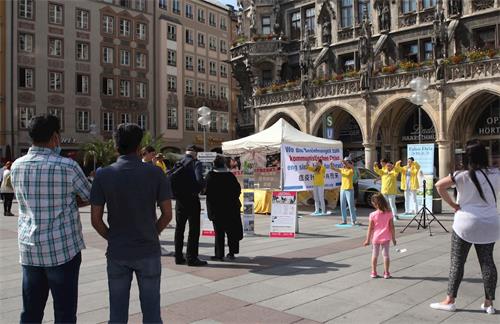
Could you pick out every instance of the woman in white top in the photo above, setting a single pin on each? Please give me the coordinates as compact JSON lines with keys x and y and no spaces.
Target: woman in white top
{"x":476,"y":221}
{"x":7,"y":191}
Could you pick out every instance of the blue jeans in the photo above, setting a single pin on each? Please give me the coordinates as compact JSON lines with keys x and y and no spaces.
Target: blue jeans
{"x":347,"y":196}
{"x":148,"y":273}
{"x":61,"y":280}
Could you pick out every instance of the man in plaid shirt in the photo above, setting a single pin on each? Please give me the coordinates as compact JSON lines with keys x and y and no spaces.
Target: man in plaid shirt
{"x":49,"y":189}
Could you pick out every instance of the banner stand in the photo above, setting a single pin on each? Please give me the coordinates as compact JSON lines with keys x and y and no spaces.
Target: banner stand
{"x":283,"y":219}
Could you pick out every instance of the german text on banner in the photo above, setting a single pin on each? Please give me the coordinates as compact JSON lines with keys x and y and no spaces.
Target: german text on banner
{"x":424,"y":155}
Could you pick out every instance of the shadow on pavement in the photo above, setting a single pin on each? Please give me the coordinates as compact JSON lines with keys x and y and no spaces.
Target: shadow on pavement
{"x":471,"y":280}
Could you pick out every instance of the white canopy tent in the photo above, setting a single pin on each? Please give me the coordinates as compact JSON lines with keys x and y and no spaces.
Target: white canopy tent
{"x":271,"y":139}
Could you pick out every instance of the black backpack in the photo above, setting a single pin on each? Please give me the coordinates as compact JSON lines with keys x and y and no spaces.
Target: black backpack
{"x":182,"y":179}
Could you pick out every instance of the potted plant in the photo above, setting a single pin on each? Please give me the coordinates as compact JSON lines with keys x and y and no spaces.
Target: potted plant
{"x":457,"y":59}
{"x":352,"y":74}
{"x":491,"y":53}
{"x":389,"y":69}
{"x":476,"y":55}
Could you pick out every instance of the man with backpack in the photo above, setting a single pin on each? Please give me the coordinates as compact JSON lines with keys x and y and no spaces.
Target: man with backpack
{"x":187,"y":182}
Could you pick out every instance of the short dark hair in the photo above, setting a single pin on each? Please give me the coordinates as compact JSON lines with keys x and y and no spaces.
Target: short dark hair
{"x":219,"y":162}
{"x":42,"y":127}
{"x":411,"y":159}
{"x":148,"y":149}
{"x":384,"y":160}
{"x":127,"y":138}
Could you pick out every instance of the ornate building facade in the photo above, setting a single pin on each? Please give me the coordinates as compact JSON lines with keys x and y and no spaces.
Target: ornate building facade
{"x":353,"y":60}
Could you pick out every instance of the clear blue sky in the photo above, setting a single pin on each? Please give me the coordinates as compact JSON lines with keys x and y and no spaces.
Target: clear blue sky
{"x":231,"y":2}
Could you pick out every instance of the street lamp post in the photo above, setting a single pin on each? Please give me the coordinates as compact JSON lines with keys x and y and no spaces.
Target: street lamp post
{"x":204,"y":120}
{"x":419,"y":97}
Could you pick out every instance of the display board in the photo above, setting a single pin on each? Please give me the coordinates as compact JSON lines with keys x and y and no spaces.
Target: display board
{"x":424,"y":155}
{"x":207,"y":227}
{"x":296,"y":177}
{"x":283,"y":214}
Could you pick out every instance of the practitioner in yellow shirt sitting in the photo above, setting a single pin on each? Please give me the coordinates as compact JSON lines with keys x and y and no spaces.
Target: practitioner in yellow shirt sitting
{"x":319,"y":172}
{"x":347,"y":190}
{"x":409,"y":184}
{"x":389,"y":189}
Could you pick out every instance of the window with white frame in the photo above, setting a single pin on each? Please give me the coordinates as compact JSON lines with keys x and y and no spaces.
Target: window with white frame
{"x":212,"y":91}
{"x":124,"y":88}
{"x":224,"y":123}
{"x":126,"y":118}
{"x":56,"y":14}
{"x":82,"y":51}
{"x":223,"y":71}
{"x":162,"y":4}
{"x":107,"y":121}
{"x":140,"y":60}
{"x":189,"y":62}
{"x":82,"y":84}
{"x":82,"y":120}
{"x":124,"y":57}
{"x":108,"y":24}
{"x":223,"y":46}
{"x":171,"y":57}
{"x":25,"y":9}
{"x":201,"y":15}
{"x":223,"y":92}
{"x":141,"y":121}
{"x":55,"y":81}
{"x":172,"y":120}
{"x":408,"y":6}
{"x":176,"y":7}
{"x":223,"y":24}
{"x":140,"y":90}
{"x":108,"y":55}
{"x":25,"y":78}
{"x":124,"y":27}
{"x":58,"y":112}
{"x":213,"y":68}
{"x":310,"y":19}
{"x":82,"y":19}
{"x":201,"y":65}
{"x":213,"y":122}
{"x":266,"y":25}
{"x":201,"y":40}
{"x":189,"y":87}
{"x":140,"y":31}
{"x":108,"y":86}
{"x":211,"y":19}
{"x":25,"y":42}
{"x":189,"y":36}
{"x":346,"y":13}
{"x":140,"y":5}
{"x":189,"y":11}
{"x":201,"y":88}
{"x":25,"y":115}
{"x":172,"y":32}
{"x":212,"y":43}
{"x":55,"y":47}
{"x":172,"y":83}
{"x":428,"y":3}
{"x":189,"y":119}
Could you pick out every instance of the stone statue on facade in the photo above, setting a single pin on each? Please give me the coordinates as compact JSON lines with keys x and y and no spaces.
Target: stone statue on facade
{"x":306,"y":63}
{"x":384,"y":14}
{"x":325,"y":16}
{"x":277,"y":17}
{"x":252,"y":18}
{"x":439,"y":40}
{"x":365,"y":51}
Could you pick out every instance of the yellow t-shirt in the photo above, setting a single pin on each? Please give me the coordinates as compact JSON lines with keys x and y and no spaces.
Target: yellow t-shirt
{"x":347,"y":175}
{"x":414,"y":169}
{"x":389,"y":180}
{"x":319,"y":176}
{"x":162,"y":166}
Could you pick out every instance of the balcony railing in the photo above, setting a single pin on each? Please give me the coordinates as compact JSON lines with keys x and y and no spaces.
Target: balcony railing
{"x":465,"y":71}
{"x":261,"y":47}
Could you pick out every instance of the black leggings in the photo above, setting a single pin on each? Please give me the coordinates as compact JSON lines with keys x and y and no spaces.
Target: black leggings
{"x":459,"y":251}
{"x":7,"y":202}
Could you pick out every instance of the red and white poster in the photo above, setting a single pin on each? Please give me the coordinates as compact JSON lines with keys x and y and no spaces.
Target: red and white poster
{"x":283,"y":214}
{"x":207,"y":227}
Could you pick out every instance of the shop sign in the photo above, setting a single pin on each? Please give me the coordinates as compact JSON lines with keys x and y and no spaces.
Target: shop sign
{"x":428,"y":134}
{"x":68,"y":140}
{"x":490,"y":126}
{"x":328,"y":127}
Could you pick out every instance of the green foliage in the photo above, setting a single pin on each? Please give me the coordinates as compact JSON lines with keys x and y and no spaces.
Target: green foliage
{"x":103,"y":152}
{"x":148,"y":139}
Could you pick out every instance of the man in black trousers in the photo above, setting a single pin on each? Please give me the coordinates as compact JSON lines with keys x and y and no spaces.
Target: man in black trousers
{"x":187,"y":209}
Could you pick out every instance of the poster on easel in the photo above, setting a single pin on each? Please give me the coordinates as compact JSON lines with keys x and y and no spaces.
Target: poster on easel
{"x":207,"y":227}
{"x":424,"y":155}
{"x":283,"y":214}
{"x":248,"y":168}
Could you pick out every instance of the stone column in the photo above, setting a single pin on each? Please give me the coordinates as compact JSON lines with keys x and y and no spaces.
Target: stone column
{"x":444,"y":155}
{"x":256,"y":120}
{"x":370,"y":155}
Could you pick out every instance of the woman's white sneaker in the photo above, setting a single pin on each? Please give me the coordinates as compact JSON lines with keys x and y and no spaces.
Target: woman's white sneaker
{"x":489,"y":310}
{"x":444,"y":307}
